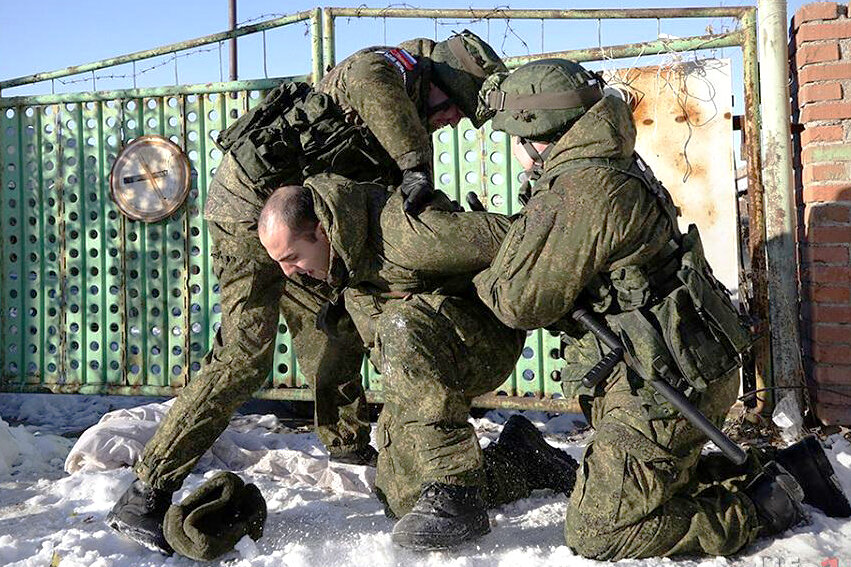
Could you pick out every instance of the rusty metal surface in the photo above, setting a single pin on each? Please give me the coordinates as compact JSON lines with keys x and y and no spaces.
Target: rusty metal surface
{"x":781,"y":211}
{"x":756,"y":245}
{"x":156,"y":52}
{"x":655,"y":47}
{"x":683,"y":114}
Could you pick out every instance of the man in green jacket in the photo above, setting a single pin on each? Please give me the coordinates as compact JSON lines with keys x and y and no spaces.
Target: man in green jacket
{"x":599,"y":230}
{"x":407,"y":285}
{"x":370,"y":121}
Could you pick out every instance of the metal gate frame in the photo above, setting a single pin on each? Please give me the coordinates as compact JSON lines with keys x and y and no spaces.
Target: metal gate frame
{"x":322,"y":31}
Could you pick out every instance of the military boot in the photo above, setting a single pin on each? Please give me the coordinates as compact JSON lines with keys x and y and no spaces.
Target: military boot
{"x":543,"y":465}
{"x":365,"y":456}
{"x":809,"y":465}
{"x":777,"y":497}
{"x":444,"y":516}
{"x":139,"y":514}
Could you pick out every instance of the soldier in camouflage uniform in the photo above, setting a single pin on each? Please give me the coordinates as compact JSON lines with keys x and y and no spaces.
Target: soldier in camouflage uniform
{"x":372,"y":124}
{"x":407,"y":286}
{"x":598,"y":229}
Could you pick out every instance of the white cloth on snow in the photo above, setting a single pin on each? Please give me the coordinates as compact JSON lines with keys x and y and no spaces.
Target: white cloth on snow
{"x":253,"y":443}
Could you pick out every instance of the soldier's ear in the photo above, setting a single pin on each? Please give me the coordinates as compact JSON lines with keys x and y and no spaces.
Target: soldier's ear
{"x":319,"y":233}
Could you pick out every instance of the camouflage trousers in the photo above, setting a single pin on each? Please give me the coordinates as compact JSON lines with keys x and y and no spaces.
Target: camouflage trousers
{"x":435,"y":354}
{"x":646,"y":490}
{"x":253,"y":294}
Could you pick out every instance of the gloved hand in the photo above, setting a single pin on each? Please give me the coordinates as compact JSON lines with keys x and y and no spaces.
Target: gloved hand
{"x":417,"y":189}
{"x":473,"y":202}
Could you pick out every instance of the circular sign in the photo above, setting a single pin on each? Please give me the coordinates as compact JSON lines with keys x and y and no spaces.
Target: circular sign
{"x":150,"y":178}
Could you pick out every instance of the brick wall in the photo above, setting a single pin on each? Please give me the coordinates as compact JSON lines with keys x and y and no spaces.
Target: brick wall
{"x":820,"y":53}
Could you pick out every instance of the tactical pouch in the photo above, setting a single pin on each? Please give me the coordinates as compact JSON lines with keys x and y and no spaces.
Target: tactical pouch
{"x":295,"y":133}
{"x":262,"y":141}
{"x":709,"y":296}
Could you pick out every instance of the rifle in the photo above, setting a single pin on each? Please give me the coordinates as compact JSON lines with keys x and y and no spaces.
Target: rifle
{"x":618,"y":353}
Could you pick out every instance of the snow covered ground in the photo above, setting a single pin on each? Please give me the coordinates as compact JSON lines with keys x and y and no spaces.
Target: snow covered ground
{"x":319,"y":514}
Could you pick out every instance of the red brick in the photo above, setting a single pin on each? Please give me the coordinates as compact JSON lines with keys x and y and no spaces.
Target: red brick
{"x":826,"y":110}
{"x":830,"y":294}
{"x":824,"y":72}
{"x":834,"y":354}
{"x":827,"y":214}
{"x":816,"y":31}
{"x":829,"y":193}
{"x":822,"y":313}
{"x":819,"y":92}
{"x":821,"y":273}
{"x":829,"y":234}
{"x":825,"y":172}
{"x":833,"y":396}
{"x":834,"y":414}
{"x":816,"y":53}
{"x":813,"y":134}
{"x":826,"y":255}
{"x":832,"y":374}
{"x":831,"y":334}
{"x":815,"y":11}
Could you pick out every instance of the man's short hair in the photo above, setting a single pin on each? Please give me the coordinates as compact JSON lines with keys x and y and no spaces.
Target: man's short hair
{"x":290,"y":206}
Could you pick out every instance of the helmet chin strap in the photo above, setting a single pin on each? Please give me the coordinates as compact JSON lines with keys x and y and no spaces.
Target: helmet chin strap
{"x":535,"y":172}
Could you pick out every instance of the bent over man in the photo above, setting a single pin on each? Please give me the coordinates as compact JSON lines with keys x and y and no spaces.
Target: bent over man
{"x":407,"y":285}
{"x":373,"y":124}
{"x":600,"y":230}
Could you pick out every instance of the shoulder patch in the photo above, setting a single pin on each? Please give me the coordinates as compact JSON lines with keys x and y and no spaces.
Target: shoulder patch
{"x":404,"y":62}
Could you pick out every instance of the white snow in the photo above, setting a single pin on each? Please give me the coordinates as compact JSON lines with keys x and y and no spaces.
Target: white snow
{"x":319,"y":514}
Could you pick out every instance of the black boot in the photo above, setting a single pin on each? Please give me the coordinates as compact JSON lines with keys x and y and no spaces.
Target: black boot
{"x":138,"y":515}
{"x":809,"y":465}
{"x":445,"y":515}
{"x":365,"y":456}
{"x":543,"y":465}
{"x":777,"y":497}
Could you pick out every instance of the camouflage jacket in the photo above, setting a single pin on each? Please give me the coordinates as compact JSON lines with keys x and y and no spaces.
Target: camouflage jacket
{"x":582,"y":223}
{"x":379,"y":250}
{"x":386,"y":90}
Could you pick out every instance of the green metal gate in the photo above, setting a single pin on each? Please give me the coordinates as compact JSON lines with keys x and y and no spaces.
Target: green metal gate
{"x":94,"y":302}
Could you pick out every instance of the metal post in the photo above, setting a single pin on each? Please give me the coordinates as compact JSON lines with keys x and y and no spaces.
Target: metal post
{"x":779,"y":200}
{"x":232,"y":17}
{"x":328,"y":55}
{"x":756,"y":240}
{"x":316,"y":44}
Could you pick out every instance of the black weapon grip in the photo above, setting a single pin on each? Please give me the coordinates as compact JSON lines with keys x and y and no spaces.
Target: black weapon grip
{"x":606,"y":365}
{"x":693,"y":415}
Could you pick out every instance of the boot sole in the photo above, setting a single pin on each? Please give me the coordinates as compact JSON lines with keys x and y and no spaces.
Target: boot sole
{"x":421,"y":542}
{"x":143,"y":538}
{"x":840,"y":507}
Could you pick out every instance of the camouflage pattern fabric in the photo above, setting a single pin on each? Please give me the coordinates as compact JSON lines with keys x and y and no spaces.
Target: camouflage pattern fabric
{"x":585,"y":228}
{"x":253,"y":293}
{"x":390,"y":102}
{"x":646,"y":490}
{"x":407,"y":286}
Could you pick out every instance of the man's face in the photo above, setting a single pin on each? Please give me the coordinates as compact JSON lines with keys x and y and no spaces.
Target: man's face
{"x":308,"y":253}
{"x":526,"y":161}
{"x":441,"y":110}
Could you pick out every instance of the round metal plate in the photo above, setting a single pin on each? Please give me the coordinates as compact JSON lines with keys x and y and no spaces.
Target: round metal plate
{"x":150,"y":178}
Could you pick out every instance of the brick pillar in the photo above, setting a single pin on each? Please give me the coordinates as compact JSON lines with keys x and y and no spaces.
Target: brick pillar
{"x":820,"y":53}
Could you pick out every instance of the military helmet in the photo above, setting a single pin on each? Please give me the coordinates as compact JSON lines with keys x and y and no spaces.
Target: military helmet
{"x":542,"y":99}
{"x":460,"y":66}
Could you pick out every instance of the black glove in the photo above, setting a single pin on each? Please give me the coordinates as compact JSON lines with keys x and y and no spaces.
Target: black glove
{"x":417,"y":189}
{"x":329,"y":316}
{"x":473,"y":202}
